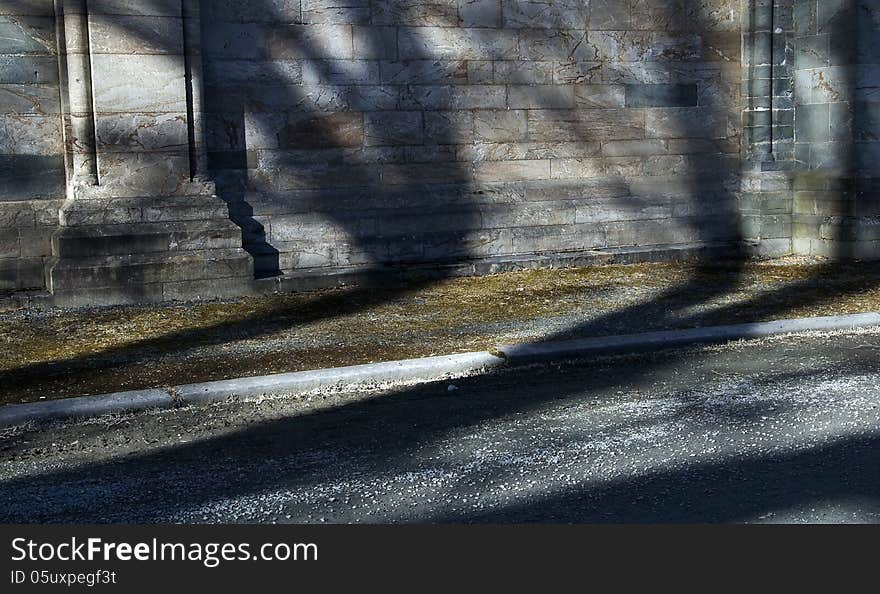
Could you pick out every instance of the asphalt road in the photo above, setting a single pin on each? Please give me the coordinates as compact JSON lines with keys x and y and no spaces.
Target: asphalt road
{"x":779,"y":430}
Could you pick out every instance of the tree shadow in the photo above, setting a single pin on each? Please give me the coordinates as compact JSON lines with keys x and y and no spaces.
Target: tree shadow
{"x":382,"y":242}
{"x":292,"y":147}
{"x":370,"y":439}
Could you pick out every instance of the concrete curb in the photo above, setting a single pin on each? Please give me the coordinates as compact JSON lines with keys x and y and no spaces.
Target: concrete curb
{"x":655,"y":341}
{"x":84,"y":406}
{"x":424,"y":370}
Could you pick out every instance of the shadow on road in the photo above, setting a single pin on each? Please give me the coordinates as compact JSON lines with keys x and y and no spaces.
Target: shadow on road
{"x":425,"y":430}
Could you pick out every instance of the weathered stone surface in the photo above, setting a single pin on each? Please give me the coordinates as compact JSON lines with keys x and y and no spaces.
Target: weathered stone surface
{"x":599,"y":96}
{"x":28,"y":70}
{"x":148,"y":35}
{"x":304,"y":42}
{"x":564,"y":45}
{"x":524,"y":72}
{"x":402,"y":131}
{"x":141,"y":133}
{"x":441,"y":13}
{"x":138,"y":84}
{"x":479,"y":13}
{"x":451,"y":43}
{"x":27,"y":35}
{"x":547,"y":125}
{"x":661,"y":95}
{"x":429,"y":97}
{"x":540,"y":97}
{"x":450,"y":127}
{"x":375,"y":43}
{"x":393,"y":128}
{"x":29,"y":99}
{"x":335,"y":11}
{"x":501,"y":126}
{"x":539,"y":14}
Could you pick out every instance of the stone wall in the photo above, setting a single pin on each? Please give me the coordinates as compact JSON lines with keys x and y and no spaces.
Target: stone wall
{"x":837,"y":90}
{"x":351,"y":136}
{"x":31,"y":142}
{"x":358,"y":133}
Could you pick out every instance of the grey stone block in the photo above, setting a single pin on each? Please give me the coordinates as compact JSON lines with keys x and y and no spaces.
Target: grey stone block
{"x":418,"y":72}
{"x":563,"y":45}
{"x":139,"y":84}
{"x":450,"y":127}
{"x":28,"y":70}
{"x":340,"y":72}
{"x":31,"y":135}
{"x":430,"y":97}
{"x":450,"y":43}
{"x":546,"y":125}
{"x":415,"y":13}
{"x":575,"y":72}
{"x":685,"y":122}
{"x":599,"y":96}
{"x":540,"y":97}
{"x":393,"y":128}
{"x":537,"y":14}
{"x":122,"y":34}
{"x":31,"y":176}
{"x":480,"y":72}
{"x":813,"y":123}
{"x":622,"y":46}
{"x":523,"y":72}
{"x":309,"y":42}
{"x":335,"y":12}
{"x":479,"y":13}
{"x":490,"y":171}
{"x":375,"y":43}
{"x":29,"y":99}
{"x":27,"y":35}
{"x":661,"y":95}
{"x":610,"y":15}
{"x":500,"y":126}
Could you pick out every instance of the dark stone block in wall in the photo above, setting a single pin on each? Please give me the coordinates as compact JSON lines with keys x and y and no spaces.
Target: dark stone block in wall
{"x":661,"y":95}
{"x":24,"y":177}
{"x":866,"y":119}
{"x":228,"y":160}
{"x":343,"y":129}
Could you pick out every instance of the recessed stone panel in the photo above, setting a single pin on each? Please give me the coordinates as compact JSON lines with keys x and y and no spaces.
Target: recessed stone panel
{"x":138,"y":84}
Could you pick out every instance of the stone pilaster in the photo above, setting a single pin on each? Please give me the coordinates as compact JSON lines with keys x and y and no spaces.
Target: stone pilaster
{"x":76,"y":72}
{"x":836,"y":201}
{"x":767,"y":124}
{"x":142,"y":222}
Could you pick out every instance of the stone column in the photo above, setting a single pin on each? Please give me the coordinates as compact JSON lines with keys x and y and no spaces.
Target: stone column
{"x":768,"y":124}
{"x":141,"y":96}
{"x":77,"y":75}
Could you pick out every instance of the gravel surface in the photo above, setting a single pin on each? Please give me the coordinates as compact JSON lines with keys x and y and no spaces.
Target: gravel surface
{"x":785,"y":429}
{"x":56,"y":354}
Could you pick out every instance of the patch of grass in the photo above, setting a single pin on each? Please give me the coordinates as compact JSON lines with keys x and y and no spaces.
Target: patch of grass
{"x":63,"y":353}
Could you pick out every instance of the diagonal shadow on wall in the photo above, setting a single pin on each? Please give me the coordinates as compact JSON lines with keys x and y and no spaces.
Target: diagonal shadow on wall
{"x":689,"y":293}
